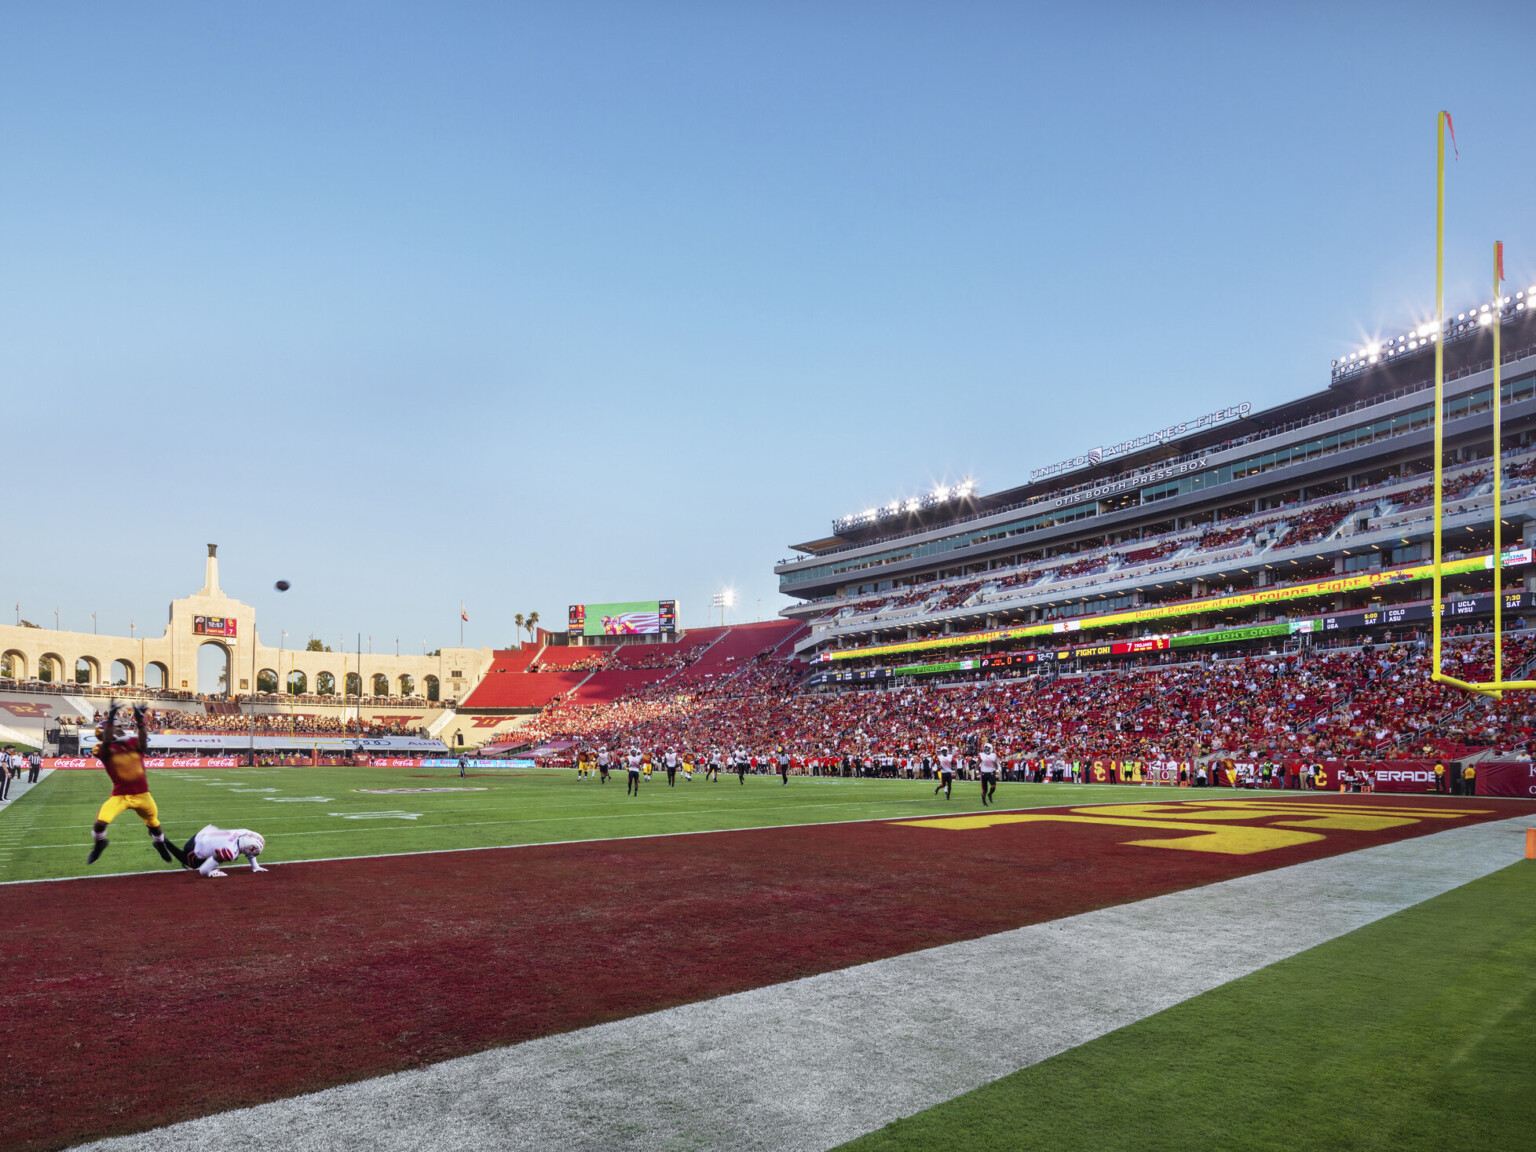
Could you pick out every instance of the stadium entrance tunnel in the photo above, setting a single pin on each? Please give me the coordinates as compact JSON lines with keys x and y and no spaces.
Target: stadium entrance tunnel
{"x":212,"y":668}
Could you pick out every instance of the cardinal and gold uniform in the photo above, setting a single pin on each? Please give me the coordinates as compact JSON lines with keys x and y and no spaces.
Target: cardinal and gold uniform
{"x":124,"y":761}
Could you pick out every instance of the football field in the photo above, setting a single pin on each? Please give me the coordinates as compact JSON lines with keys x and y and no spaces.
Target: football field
{"x":522,"y":959}
{"x":324,"y":813}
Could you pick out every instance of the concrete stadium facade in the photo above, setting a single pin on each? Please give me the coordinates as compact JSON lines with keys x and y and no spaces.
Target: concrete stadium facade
{"x":170,"y":661}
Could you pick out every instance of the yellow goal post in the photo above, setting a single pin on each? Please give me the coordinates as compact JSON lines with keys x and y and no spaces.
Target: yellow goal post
{"x":1498,"y":685}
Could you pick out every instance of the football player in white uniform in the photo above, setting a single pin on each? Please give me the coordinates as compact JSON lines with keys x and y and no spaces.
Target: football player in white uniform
{"x":634,"y":772}
{"x":214,"y":846}
{"x":988,"y":775}
{"x":946,"y":772}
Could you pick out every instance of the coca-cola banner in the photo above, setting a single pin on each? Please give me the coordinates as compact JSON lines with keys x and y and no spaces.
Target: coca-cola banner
{"x":149,"y":762}
{"x":1506,"y":778}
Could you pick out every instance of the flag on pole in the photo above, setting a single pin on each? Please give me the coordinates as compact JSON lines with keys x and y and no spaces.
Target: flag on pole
{"x":463,"y":615}
{"x":1498,"y":263}
{"x":1452,"y":127}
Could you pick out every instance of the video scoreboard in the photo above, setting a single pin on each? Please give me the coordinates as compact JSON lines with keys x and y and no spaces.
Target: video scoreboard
{"x":627,"y":618}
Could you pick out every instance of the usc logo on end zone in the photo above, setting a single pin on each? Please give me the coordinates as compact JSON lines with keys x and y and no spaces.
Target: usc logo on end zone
{"x":1230,"y":827}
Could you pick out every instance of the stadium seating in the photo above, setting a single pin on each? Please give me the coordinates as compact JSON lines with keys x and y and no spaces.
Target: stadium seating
{"x":522,"y":689}
{"x":604,"y":687}
{"x":562,"y":657}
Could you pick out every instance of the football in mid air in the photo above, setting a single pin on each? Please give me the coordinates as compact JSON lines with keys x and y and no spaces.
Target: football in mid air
{"x":282,"y":585}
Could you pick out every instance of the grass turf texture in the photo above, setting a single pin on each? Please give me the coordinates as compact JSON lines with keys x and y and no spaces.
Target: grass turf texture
{"x":316,"y":813}
{"x":1411,"y":1033}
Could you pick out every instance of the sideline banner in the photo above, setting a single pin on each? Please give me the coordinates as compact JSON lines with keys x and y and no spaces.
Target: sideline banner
{"x":1400,"y":775}
{"x":1506,"y":778}
{"x":433,"y":762}
{"x":67,"y":762}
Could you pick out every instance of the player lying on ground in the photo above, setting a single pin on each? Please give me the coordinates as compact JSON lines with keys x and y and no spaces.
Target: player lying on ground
{"x":122,"y":755}
{"x":214,"y":846}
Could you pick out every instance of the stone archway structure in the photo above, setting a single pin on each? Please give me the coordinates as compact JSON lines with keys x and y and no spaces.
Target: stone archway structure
{"x":169,"y":661}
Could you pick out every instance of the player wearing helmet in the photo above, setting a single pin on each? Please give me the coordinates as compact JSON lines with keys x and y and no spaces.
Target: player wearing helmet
{"x":122,"y":754}
{"x":946,"y":772}
{"x":988,"y":775}
{"x":602,"y":765}
{"x":214,"y":846}
{"x":635,"y":760}
{"x":670,"y":760}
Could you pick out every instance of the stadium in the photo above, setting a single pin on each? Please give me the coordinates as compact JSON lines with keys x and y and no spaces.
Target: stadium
{"x":1236,"y":605}
{"x":1133,"y":745}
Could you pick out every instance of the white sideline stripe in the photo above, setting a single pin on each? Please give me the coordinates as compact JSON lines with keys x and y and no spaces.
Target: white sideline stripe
{"x":893,"y":818}
{"x":813,"y":1063}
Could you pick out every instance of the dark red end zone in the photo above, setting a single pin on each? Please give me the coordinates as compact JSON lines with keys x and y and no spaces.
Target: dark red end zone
{"x":138,"y":1001}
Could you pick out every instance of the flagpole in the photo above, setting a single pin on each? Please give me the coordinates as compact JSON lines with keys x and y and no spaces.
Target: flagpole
{"x":1434,"y":668}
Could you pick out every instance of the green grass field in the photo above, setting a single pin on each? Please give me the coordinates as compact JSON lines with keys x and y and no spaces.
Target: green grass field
{"x":1411,"y":1033}
{"x":320,"y":813}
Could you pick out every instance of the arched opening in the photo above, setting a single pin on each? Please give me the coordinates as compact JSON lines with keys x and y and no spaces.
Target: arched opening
{"x":13,"y":665}
{"x":213,"y":669}
{"x":407,"y":686}
{"x":432,"y":688}
{"x":87,"y":671}
{"x":156,"y":675}
{"x":380,"y":684}
{"x":122,"y":673}
{"x":354,"y":684}
{"x":50,"y":668}
{"x":298,"y":683}
{"x":325,"y":684}
{"x":266,"y":680}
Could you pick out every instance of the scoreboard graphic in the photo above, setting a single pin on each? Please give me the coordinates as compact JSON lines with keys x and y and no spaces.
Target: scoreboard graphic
{"x":214,"y":626}
{"x":626,"y":618}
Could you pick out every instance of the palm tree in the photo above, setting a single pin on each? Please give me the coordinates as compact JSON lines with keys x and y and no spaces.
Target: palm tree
{"x":518,"y":620}
{"x":533,"y":622}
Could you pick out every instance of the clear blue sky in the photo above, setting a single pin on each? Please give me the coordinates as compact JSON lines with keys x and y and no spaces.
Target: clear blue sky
{"x":528,"y":304}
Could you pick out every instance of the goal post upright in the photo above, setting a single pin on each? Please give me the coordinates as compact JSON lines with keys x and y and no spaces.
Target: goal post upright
{"x":1498,"y":472}
{"x":1437,"y":601}
{"x":1496,"y":687}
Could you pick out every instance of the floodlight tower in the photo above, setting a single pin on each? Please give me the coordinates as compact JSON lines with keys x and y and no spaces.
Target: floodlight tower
{"x":723,"y":599}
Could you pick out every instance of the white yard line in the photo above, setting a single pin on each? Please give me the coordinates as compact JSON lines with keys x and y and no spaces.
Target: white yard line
{"x":815,"y":1062}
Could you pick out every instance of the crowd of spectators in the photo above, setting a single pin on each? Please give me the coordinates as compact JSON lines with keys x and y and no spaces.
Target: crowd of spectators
{"x":310,"y":724}
{"x":1150,"y":555}
{"x":581,"y":664}
{"x":957,"y":595}
{"x":1331,"y":703}
{"x":1314,"y":524}
{"x":1218,"y":536}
